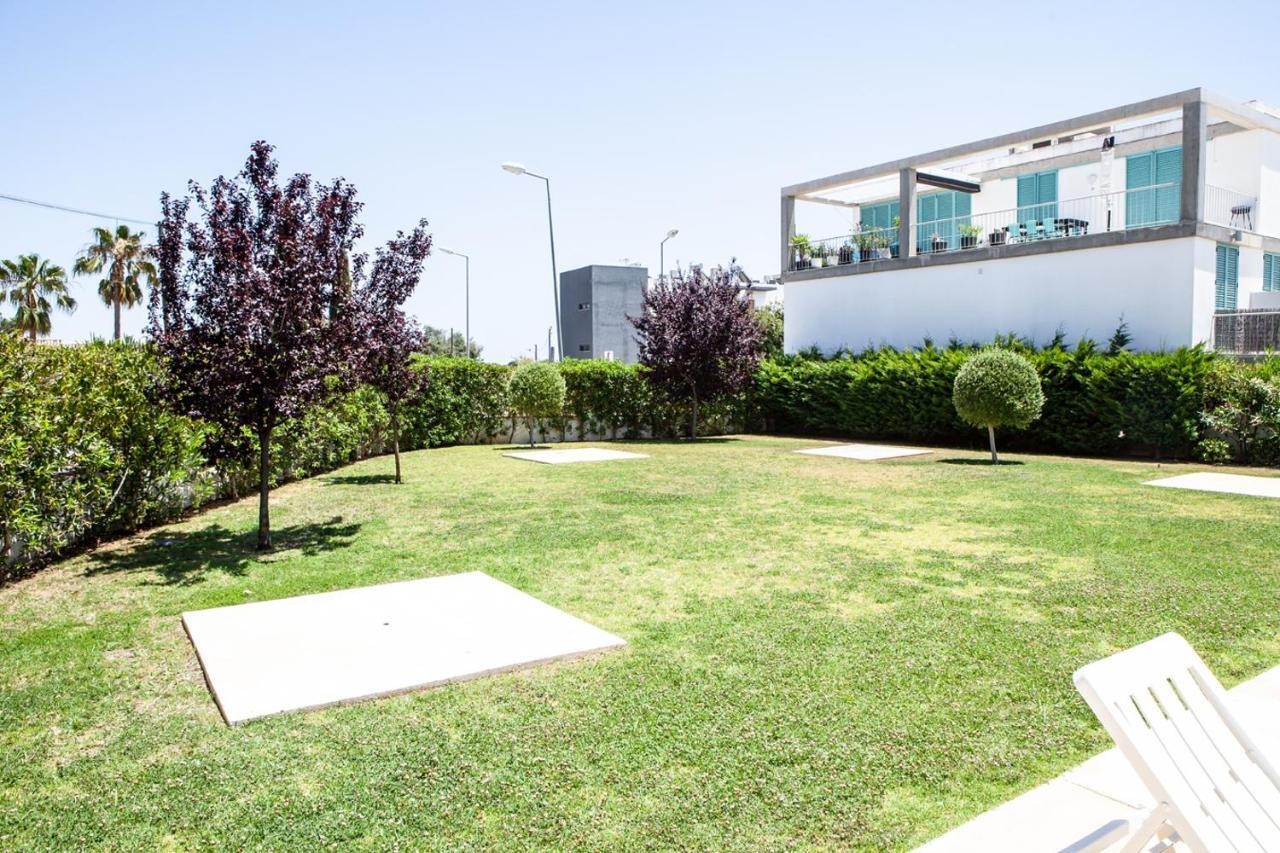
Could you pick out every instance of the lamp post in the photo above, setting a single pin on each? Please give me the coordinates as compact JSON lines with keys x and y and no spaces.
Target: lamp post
{"x":519,"y":169}
{"x":662,"y":266}
{"x":467,"y":262}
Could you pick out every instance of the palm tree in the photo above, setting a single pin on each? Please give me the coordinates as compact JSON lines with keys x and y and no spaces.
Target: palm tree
{"x":127,"y":261}
{"x":29,"y":281}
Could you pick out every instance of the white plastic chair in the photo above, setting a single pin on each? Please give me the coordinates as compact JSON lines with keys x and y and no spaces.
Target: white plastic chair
{"x":1214,"y":789}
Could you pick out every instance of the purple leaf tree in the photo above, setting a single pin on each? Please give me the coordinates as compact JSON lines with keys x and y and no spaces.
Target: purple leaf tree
{"x":249,"y":314}
{"x":698,"y":336}
{"x":390,"y":337}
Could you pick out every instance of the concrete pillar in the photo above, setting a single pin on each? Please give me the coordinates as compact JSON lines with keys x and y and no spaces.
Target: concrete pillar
{"x":1195,"y":120}
{"x":788,"y":230}
{"x":906,"y":213}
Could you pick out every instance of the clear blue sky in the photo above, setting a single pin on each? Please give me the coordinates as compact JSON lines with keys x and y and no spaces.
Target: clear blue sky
{"x":646,"y":116}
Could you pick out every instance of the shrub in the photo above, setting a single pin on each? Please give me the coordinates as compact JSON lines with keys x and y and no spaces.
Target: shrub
{"x":461,"y":401}
{"x":1242,"y":411}
{"x":998,"y":388}
{"x":537,"y":391}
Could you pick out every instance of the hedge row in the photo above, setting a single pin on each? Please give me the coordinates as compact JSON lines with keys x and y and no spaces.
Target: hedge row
{"x":1096,"y":402}
{"x":87,"y":451}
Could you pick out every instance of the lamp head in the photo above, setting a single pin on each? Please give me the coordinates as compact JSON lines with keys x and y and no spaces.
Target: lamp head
{"x":515,"y":168}
{"x":673,"y":232}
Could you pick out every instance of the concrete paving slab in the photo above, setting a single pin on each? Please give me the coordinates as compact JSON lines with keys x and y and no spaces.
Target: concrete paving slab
{"x":310,"y":651}
{"x":1101,"y":791}
{"x":864,"y":452}
{"x":1234,"y":484}
{"x":577,"y":454}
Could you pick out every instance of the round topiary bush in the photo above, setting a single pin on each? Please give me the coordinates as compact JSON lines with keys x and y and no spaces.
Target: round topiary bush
{"x":537,"y":391}
{"x":998,"y":388}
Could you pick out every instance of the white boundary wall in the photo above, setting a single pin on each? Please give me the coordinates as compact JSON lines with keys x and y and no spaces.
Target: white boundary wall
{"x":1163,"y":288}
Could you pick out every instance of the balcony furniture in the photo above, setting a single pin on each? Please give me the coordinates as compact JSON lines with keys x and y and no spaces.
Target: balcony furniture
{"x":1214,"y":788}
{"x":1073,"y":227}
{"x":1243,"y":213}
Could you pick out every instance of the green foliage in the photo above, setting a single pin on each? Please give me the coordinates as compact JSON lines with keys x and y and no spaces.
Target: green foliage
{"x":462,"y":401}
{"x":84,"y":450}
{"x":998,"y":388}
{"x":769,"y":317}
{"x":1242,"y":411}
{"x":537,"y":391}
{"x":1095,"y":402}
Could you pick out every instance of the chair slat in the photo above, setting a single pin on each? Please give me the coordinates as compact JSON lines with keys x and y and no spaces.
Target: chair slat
{"x":1197,"y":787}
{"x":1218,"y":768}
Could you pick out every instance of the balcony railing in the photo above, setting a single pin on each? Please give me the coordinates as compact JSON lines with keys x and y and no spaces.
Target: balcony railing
{"x":1230,"y":208}
{"x":1251,"y":332}
{"x":1057,"y":220}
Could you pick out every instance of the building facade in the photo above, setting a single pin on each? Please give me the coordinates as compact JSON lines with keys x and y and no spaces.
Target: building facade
{"x":1165,"y":213}
{"x":595,"y":304}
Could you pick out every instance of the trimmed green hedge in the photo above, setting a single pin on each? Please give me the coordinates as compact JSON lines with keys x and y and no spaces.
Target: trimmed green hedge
{"x":1095,"y":402}
{"x":87,"y":451}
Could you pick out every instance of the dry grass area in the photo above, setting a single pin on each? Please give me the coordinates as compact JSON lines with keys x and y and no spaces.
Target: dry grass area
{"x":823,"y":652}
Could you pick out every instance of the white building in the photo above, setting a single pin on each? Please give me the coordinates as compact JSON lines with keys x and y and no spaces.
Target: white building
{"x":1164,"y":212}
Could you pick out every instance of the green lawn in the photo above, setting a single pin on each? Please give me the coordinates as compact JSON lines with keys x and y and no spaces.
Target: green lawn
{"x":823,"y":653}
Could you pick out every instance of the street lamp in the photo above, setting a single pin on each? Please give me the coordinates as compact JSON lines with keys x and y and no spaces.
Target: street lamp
{"x":662,"y":266}
{"x":467,"y":260}
{"x":519,"y":169}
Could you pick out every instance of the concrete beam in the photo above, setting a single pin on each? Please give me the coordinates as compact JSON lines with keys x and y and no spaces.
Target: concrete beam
{"x":1195,"y":137}
{"x":1089,"y":121}
{"x":788,"y":231}
{"x":906,"y":212}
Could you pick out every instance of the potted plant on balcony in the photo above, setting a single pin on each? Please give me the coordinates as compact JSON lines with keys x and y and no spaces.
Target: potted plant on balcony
{"x":998,"y":237}
{"x":883,"y":249}
{"x":969,"y":236}
{"x":846,"y":252}
{"x":800,"y":252}
{"x":865,"y":240}
{"x":820,"y":252}
{"x":937,"y":243}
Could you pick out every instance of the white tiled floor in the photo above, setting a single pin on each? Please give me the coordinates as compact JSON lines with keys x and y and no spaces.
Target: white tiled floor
{"x":864,"y":452}
{"x":1234,"y":484}
{"x":310,"y":651}
{"x":577,"y":454}
{"x":1104,"y":788}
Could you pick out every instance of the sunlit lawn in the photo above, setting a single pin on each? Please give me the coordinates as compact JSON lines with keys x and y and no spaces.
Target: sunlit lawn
{"x":822,"y":652}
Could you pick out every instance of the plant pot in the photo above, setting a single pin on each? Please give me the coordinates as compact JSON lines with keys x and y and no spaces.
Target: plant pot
{"x":968,"y":242}
{"x":883,"y":253}
{"x":997,"y":238}
{"x":938,"y":246}
{"x":866,"y":254}
{"x":893,"y":251}
{"x":846,"y":255}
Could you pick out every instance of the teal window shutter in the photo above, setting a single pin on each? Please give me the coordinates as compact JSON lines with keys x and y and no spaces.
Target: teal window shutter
{"x":1038,"y":196}
{"x":1226,"y":278}
{"x":1271,"y":273}
{"x":1153,"y":183}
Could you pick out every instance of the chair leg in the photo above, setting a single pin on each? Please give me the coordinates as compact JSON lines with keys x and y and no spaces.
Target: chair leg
{"x":1155,"y":825}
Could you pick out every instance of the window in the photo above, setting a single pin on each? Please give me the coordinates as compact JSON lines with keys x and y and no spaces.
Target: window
{"x":584,"y":306}
{"x":1153,"y":184}
{"x":1226,"y":278}
{"x":1271,"y":273}
{"x":1037,"y":196}
{"x":939,"y":215}
{"x":584,"y":347}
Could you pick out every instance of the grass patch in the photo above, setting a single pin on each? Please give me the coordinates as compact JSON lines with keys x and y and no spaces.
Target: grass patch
{"x":822,"y":652}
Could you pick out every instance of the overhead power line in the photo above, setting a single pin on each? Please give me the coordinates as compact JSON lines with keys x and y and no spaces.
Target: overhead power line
{"x":66,"y":209}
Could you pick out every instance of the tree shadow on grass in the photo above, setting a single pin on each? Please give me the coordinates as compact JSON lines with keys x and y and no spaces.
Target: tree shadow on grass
{"x":983,"y":462}
{"x":359,"y":479}
{"x":185,"y":557}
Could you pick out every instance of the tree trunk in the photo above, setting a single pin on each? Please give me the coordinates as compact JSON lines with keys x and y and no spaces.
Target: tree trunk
{"x":264,"y":488}
{"x":532,"y":443}
{"x":693,"y":417}
{"x":116,"y":304}
{"x":991,"y":437}
{"x":395,"y":438}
